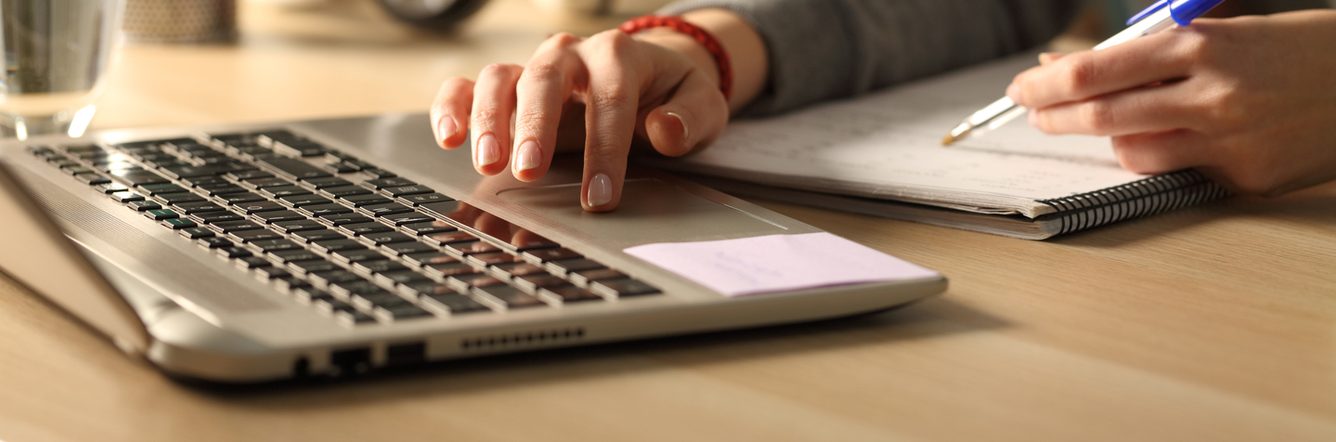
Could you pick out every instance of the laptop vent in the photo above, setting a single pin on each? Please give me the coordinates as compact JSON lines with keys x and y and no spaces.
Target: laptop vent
{"x":523,"y":339}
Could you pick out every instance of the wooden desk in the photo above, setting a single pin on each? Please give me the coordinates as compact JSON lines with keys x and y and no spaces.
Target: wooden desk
{"x":1214,"y":323}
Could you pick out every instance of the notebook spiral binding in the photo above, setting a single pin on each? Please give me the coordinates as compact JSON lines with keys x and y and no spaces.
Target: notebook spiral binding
{"x":1140,"y":198}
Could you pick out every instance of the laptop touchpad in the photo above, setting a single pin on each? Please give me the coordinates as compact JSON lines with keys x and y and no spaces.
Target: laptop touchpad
{"x":651,"y":210}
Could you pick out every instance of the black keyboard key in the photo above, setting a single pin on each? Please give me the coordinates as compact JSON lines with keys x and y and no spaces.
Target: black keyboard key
{"x":178,"y":223}
{"x":453,"y":303}
{"x":252,"y":262}
{"x":534,"y":243}
{"x":401,"y":312}
{"x":455,"y":237}
{"x":320,"y":210}
{"x":126,"y":196}
{"x":475,"y":248}
{"x":406,"y":218}
{"x":139,"y":178}
{"x":345,"y":218}
{"x":427,"y":228}
{"x":198,"y":207}
{"x":311,"y":295}
{"x":520,"y":269}
{"x":534,"y":282}
{"x":357,"y":255}
{"x":385,"y":209}
{"x":408,"y":190}
{"x":380,"y":266}
{"x":222,"y":189}
{"x":298,"y":150}
{"x":271,"y":217}
{"x":233,"y":226}
{"x":545,"y":255}
{"x":178,"y":198}
{"x":160,"y":214}
{"x":622,"y":288}
{"x":113,"y":188}
{"x":298,"y":225}
{"x":318,"y":235}
{"x":359,"y":286}
{"x":255,"y":235}
{"x":233,"y":252}
{"x":426,"y":198}
{"x":264,"y":183}
{"x":344,"y":191}
{"x":249,"y":174}
{"x":491,"y":259}
{"x":143,"y":205}
{"x":444,"y":271}
{"x":389,"y":182}
{"x":567,"y":294}
{"x":282,"y":191}
{"x":465,"y":282}
{"x":328,"y":278}
{"x":214,"y":242}
{"x":378,"y":172}
{"x":260,"y":206}
{"x":427,"y":258}
{"x":387,"y":237}
{"x":363,"y":229}
{"x":332,"y":245}
{"x":565,"y":266}
{"x":270,"y":273}
{"x":584,"y":277}
{"x":294,"y":168}
{"x":401,"y":277}
{"x":447,"y":209}
{"x":366,"y":199}
{"x":274,"y":245}
{"x":404,"y":248}
{"x":196,"y":232}
{"x":196,"y":171}
{"x":91,"y":179}
{"x":321,"y":183}
{"x":241,"y":198}
{"x":218,"y":217}
{"x":311,"y":265}
{"x":510,"y":297}
{"x":351,"y":318}
{"x":304,"y":200}
{"x":370,"y":299}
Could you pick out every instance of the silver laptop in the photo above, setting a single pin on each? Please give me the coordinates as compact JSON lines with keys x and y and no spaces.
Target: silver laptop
{"x":252,"y":253}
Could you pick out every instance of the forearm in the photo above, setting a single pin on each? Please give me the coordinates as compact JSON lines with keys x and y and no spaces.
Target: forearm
{"x":825,"y":49}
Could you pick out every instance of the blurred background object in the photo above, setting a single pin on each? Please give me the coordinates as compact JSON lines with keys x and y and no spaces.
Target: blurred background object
{"x":56,"y":53}
{"x":432,"y":14}
{"x":603,"y":7}
{"x":180,"y":21}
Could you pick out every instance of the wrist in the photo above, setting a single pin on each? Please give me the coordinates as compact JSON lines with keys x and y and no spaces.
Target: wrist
{"x":684,"y":45}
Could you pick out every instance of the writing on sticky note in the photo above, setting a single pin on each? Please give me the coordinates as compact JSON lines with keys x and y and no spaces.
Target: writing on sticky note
{"x":777,"y":263}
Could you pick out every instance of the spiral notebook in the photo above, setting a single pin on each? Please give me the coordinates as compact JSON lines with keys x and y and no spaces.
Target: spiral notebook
{"x":880,"y":154}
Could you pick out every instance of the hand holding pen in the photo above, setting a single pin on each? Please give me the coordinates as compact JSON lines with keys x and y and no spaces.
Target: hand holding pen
{"x":1250,"y":101}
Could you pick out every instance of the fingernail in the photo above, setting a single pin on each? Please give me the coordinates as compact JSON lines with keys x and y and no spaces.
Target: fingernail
{"x":686,"y":132}
{"x":600,"y":190}
{"x":445,"y":129}
{"x":488,"y":150}
{"x":528,"y":156}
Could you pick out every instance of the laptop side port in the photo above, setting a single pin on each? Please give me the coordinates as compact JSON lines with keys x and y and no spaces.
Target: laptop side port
{"x":405,"y":354}
{"x":349,"y":361}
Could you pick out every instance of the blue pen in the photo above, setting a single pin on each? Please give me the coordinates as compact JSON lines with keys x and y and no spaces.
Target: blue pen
{"x":1164,"y":14}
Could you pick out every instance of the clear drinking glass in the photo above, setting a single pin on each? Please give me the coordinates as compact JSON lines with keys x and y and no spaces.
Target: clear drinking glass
{"x":56,"y":54}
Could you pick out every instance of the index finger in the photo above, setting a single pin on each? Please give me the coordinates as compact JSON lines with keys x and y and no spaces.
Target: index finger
{"x":1084,"y":75}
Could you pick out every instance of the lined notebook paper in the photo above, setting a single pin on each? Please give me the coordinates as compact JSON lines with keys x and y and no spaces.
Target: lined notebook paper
{"x":869,"y":153}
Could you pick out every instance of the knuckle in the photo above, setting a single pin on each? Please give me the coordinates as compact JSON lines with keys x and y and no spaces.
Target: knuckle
{"x":485,"y":116}
{"x":1097,"y":116}
{"x":495,"y":70}
{"x":544,"y":72}
{"x":562,"y":40}
{"x":1079,"y":74}
{"x":614,"y":96}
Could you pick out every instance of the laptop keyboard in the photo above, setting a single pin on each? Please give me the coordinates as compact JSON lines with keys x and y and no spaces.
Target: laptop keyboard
{"x":352,"y":240}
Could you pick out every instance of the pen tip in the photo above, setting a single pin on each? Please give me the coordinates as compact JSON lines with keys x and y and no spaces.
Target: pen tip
{"x":948,"y":140}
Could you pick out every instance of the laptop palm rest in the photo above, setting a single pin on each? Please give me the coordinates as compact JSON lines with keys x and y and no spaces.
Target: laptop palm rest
{"x":38,"y":255}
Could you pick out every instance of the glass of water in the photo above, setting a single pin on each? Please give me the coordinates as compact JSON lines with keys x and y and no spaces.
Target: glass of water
{"x":56,"y":53}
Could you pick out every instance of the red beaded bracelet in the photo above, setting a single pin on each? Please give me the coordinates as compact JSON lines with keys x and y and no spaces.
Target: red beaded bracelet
{"x":706,"y":40}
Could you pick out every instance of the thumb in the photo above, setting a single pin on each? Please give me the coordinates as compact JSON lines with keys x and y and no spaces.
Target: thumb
{"x":1049,"y":57}
{"x":692,"y":117}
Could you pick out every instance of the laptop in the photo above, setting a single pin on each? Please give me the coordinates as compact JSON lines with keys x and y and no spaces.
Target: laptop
{"x":328,"y":248}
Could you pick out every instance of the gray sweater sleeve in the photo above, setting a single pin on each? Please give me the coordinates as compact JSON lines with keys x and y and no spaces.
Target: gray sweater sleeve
{"x":825,"y":49}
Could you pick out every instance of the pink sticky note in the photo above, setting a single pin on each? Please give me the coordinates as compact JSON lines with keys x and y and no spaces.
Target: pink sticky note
{"x":777,"y":263}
